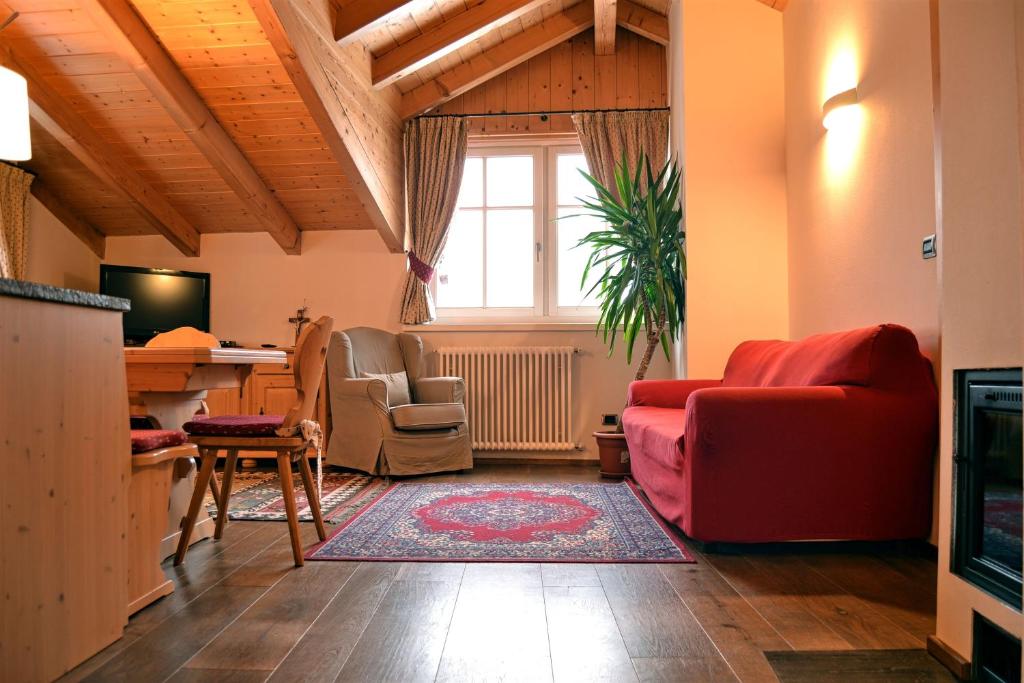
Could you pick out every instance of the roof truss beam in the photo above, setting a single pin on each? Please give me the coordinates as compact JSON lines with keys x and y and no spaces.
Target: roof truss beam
{"x":498,"y":59}
{"x":352,"y":16}
{"x":643,"y":22}
{"x":52,"y":112}
{"x":132,"y":40}
{"x":604,"y":27}
{"x":82,"y":229}
{"x":447,"y":37}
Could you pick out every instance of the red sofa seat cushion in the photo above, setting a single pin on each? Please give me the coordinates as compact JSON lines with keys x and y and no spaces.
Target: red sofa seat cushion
{"x":150,"y":439}
{"x":870,"y":356}
{"x":658,"y":432}
{"x":234,"y":425}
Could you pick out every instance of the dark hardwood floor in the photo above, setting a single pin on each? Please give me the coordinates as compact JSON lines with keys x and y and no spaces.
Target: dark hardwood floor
{"x":241,"y":612}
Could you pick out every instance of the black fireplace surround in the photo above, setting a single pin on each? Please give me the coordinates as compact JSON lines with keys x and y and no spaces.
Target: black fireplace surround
{"x":987,"y":499}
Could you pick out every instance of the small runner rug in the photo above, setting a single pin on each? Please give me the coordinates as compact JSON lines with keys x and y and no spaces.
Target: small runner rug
{"x":505,"y":523}
{"x":257,"y":496}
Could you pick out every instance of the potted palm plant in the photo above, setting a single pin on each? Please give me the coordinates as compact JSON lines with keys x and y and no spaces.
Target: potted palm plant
{"x":640,"y":263}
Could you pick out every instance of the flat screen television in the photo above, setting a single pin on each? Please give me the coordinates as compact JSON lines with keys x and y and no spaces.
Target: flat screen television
{"x":161,"y":299}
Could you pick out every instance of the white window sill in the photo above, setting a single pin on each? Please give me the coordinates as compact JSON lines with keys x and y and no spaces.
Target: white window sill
{"x":477,"y":326}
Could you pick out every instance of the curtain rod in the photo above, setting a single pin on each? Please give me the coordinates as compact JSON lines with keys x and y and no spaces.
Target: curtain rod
{"x":542,"y":114}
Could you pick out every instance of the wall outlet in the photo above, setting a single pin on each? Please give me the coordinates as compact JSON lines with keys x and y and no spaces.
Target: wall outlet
{"x":609,"y":420}
{"x":928,"y":249}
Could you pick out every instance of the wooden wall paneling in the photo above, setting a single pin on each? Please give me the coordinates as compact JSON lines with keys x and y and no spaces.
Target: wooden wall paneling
{"x":445,"y":37}
{"x":604,"y":82}
{"x":540,"y":91}
{"x":561,"y":86}
{"x":495,"y":96}
{"x":498,"y":59}
{"x":475,"y":101}
{"x":517,"y":98}
{"x":627,"y":87}
{"x":79,"y":226}
{"x":52,"y":112}
{"x":583,"y":47}
{"x":359,"y":125}
{"x":651,"y":73}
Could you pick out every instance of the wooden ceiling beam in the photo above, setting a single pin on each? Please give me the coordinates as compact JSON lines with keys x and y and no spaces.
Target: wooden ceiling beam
{"x":82,"y":229}
{"x":643,"y":22}
{"x":447,"y":37}
{"x":352,"y":16}
{"x":604,"y":27}
{"x":358,"y":124}
{"x":54,"y":114}
{"x":498,"y":59}
{"x":132,"y":40}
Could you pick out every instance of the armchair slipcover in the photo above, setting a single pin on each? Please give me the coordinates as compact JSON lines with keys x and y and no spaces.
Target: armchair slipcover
{"x":429,"y":435}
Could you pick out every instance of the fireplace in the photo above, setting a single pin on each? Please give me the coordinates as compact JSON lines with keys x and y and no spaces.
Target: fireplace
{"x":987,"y":452}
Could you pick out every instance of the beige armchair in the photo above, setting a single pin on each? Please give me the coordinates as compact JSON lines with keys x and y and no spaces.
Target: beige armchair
{"x":380,"y":424}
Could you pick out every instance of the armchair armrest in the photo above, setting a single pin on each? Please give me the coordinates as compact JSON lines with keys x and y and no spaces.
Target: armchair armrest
{"x":374,"y":391}
{"x":440,"y":390}
{"x":666,"y":393}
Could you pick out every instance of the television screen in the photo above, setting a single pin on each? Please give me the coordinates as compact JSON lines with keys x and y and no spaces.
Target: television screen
{"x":162,"y":300}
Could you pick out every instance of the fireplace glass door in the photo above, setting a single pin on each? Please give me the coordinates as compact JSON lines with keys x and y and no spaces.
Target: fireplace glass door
{"x":988,"y":505}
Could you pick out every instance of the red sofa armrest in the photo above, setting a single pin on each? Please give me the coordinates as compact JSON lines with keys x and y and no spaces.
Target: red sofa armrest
{"x":666,"y":393}
{"x":785,"y":463}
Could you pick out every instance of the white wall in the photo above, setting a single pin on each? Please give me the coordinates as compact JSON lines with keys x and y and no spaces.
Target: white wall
{"x":349,"y":275}
{"x":55,"y":256}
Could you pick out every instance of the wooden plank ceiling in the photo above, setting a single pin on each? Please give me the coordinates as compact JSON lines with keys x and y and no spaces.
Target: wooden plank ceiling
{"x":187,"y":117}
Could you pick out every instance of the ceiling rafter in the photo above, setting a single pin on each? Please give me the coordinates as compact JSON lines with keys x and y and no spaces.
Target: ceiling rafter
{"x":361,"y":129}
{"x":52,"y":112}
{"x":643,"y":22}
{"x":352,"y":16}
{"x":132,"y":40}
{"x":604,"y":27}
{"x":447,"y":37}
{"x":498,"y":59}
{"x":82,"y":229}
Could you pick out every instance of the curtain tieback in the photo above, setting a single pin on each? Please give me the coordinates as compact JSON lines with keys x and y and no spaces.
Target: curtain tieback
{"x":422,"y":269}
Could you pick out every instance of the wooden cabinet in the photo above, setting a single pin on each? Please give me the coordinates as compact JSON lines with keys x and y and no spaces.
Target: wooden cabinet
{"x":269,"y":390}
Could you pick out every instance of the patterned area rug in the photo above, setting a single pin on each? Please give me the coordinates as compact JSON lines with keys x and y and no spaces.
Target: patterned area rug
{"x":256,"y":496}
{"x":505,"y":523}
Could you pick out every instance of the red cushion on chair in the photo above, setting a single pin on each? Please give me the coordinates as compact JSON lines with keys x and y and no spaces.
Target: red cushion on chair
{"x":151,"y":439}
{"x":234,"y":425}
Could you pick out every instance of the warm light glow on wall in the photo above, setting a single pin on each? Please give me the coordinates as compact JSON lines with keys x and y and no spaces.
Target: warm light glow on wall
{"x":15,"y":140}
{"x":842,"y":115}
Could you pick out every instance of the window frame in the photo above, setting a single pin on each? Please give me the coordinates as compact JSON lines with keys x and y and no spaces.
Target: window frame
{"x":545,"y":206}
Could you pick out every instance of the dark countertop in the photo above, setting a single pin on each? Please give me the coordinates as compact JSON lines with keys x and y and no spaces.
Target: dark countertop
{"x":59,"y":295}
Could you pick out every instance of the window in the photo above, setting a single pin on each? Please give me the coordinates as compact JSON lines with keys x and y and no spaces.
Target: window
{"x":507,"y":257}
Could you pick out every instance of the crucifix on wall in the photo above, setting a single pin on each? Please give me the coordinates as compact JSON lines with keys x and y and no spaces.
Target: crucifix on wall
{"x":299,"y":320}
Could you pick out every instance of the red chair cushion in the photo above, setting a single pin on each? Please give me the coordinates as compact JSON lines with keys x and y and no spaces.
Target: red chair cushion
{"x":234,"y":425}
{"x":151,"y":439}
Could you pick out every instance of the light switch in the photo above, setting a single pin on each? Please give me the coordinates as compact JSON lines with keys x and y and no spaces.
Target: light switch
{"x":928,"y":247}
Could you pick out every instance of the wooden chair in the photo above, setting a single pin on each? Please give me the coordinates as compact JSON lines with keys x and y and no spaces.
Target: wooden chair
{"x":255,"y":433}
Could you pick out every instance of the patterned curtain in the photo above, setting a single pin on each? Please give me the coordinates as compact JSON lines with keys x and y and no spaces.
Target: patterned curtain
{"x":14,"y":185}
{"x":435,"y":152}
{"x":606,"y":135}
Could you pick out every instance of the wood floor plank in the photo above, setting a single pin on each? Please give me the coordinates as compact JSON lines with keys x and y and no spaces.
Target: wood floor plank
{"x":585,"y":640}
{"x":568,"y":574}
{"x":739,"y":632}
{"x":906,"y":601}
{"x":498,"y":629}
{"x":263,"y":636}
{"x":275,"y":562}
{"x":854,"y":620}
{"x":323,"y":650}
{"x":787,"y":613}
{"x":652,"y":619}
{"x":405,"y":637}
{"x":218,"y":676}
{"x":859,"y":666}
{"x":676,"y":669}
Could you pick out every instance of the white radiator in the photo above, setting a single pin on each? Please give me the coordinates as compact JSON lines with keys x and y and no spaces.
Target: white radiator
{"x":518,"y":398}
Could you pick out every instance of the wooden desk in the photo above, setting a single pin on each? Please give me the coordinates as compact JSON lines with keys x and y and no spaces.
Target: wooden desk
{"x":169,"y":385}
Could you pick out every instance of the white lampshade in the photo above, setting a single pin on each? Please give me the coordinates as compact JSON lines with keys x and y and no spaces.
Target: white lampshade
{"x":15,"y":140}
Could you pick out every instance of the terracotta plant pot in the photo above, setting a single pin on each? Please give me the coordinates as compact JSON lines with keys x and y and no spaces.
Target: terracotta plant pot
{"x":614,"y":454}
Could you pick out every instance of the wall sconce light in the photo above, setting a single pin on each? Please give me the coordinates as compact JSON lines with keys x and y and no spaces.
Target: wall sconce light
{"x":15,"y":138}
{"x":837,"y":107}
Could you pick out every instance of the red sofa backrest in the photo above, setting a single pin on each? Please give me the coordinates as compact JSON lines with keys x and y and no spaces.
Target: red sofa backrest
{"x":883,"y":356}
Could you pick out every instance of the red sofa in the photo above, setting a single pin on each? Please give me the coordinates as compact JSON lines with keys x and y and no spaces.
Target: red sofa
{"x":829,"y":438}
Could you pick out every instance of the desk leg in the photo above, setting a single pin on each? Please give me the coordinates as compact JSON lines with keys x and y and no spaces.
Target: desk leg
{"x":172,"y":410}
